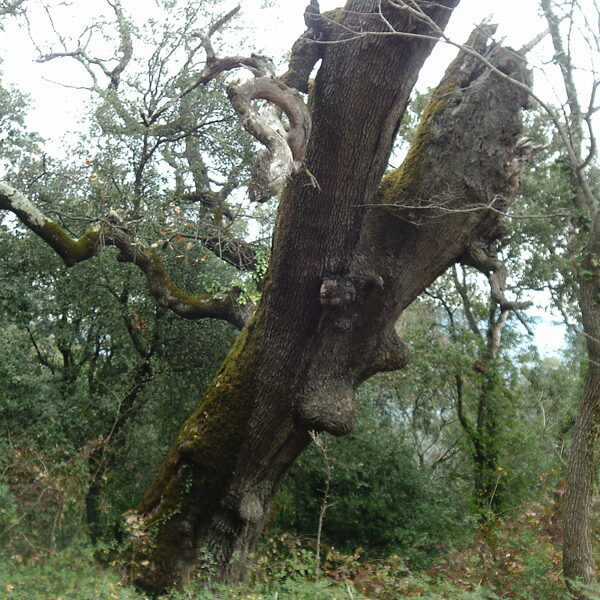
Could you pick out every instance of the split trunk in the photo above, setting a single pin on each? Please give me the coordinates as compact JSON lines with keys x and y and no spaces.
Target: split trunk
{"x":348,"y":256}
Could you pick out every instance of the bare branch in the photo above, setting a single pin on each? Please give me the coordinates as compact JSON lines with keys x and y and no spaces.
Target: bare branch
{"x":462,"y":292}
{"x":125,"y":47}
{"x":563,"y":59}
{"x":236,"y":252}
{"x":483,"y":257}
{"x":205,"y":39}
{"x":221,"y":21}
{"x":80,"y":54}
{"x":592,"y":151}
{"x":8,"y":7}
{"x":531,"y":44}
{"x":284,"y":151}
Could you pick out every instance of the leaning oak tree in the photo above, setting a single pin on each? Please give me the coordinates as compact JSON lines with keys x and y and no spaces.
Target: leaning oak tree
{"x":352,"y":248}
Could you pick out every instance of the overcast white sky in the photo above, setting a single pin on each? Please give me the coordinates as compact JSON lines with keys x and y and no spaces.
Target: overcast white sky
{"x":266,"y":30}
{"x":269,"y":30}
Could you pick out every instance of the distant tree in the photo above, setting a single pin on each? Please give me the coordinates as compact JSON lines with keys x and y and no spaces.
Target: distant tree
{"x":572,"y":23}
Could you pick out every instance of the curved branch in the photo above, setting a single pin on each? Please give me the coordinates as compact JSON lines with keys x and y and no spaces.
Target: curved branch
{"x":111,"y":232}
{"x":482,"y":257}
{"x":168,"y":294}
{"x":284,"y":150}
{"x":70,"y":250}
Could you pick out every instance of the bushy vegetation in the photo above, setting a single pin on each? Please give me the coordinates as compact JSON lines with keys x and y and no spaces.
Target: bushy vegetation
{"x":451,"y":484}
{"x":380,"y":500}
{"x":513,"y":559}
{"x":394,"y":526}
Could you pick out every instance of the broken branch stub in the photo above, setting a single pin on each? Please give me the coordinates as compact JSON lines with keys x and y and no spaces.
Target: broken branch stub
{"x":284,"y":146}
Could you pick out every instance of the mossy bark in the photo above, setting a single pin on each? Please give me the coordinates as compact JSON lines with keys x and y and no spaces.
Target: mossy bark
{"x":111,"y":232}
{"x":296,"y":366}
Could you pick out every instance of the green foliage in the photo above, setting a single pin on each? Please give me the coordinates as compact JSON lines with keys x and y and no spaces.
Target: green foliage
{"x":78,"y":357}
{"x":95,"y":380}
{"x":516,"y":559}
{"x":70,"y":575}
{"x":379,"y":499}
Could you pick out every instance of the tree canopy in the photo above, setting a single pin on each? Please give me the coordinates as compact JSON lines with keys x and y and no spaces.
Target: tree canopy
{"x":255,"y":223}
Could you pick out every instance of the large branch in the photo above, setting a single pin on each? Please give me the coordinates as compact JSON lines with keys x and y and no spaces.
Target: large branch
{"x":308,"y":49}
{"x":111,"y":232}
{"x":285,"y":148}
{"x":463,"y":169}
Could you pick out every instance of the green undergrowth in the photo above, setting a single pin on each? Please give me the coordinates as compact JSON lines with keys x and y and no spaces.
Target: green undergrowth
{"x":516,"y":559}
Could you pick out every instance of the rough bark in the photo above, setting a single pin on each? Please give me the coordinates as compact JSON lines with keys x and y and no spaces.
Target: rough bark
{"x":349,"y":254}
{"x":578,"y":561}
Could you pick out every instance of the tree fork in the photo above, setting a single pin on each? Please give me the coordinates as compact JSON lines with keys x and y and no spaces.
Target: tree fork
{"x":347,"y":258}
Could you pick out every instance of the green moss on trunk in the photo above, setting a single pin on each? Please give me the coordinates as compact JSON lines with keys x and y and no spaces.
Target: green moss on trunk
{"x":195,"y":474}
{"x":409,"y":181}
{"x":70,"y":250}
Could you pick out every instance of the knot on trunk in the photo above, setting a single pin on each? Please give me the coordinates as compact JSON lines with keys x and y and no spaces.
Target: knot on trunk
{"x":337,"y":291}
{"x":251,"y":509}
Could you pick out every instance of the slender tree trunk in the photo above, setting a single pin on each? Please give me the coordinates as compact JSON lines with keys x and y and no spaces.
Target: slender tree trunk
{"x":578,"y":561}
{"x":488,"y":478}
{"x":577,"y":554}
{"x":348,"y":256}
{"x":103,"y":457}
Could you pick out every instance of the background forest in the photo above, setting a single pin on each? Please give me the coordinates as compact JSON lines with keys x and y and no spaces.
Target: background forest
{"x":451,"y":484}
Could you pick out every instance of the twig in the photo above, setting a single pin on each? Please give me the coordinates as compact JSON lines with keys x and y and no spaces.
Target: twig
{"x":322,"y":447}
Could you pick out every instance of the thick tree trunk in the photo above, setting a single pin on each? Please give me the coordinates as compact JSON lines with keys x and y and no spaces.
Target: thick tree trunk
{"x":578,"y":561}
{"x":348,"y":257}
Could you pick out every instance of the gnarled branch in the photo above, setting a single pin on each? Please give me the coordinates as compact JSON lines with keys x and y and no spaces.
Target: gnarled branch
{"x":111,"y":232}
{"x":482,"y":256}
{"x":284,"y":150}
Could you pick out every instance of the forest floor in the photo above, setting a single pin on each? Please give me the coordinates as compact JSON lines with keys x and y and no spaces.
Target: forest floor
{"x":514,"y":559}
